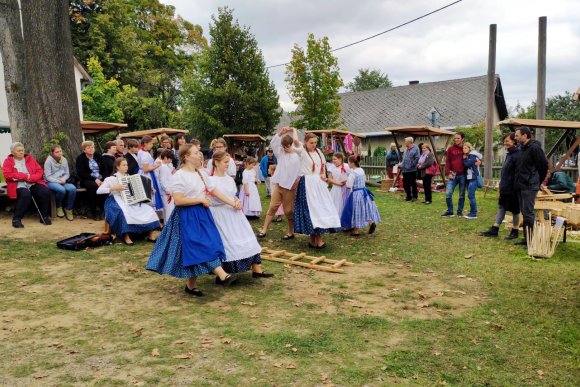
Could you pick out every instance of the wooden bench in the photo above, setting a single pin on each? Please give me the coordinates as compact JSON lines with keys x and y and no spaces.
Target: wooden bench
{"x":490,"y":185}
{"x":52,"y":199}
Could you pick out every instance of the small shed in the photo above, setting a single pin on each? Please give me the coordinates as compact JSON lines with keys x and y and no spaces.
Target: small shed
{"x":569,"y":129}
{"x":426,"y":131}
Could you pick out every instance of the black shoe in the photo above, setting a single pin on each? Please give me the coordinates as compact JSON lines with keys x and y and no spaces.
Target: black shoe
{"x":97,"y":216}
{"x":230,"y":280}
{"x":194,"y":292}
{"x":448,"y":214}
{"x":46,"y":221}
{"x":262,"y":275}
{"x":459,"y":214}
{"x":372,"y":228}
{"x":491,"y":232}
{"x":514,"y":234}
{"x":17,"y":223}
{"x":414,"y":200}
{"x":523,"y":242}
{"x":426,"y":202}
{"x":407,"y":199}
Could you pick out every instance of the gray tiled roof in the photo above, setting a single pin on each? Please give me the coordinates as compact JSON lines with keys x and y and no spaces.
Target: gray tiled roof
{"x":461,"y":102}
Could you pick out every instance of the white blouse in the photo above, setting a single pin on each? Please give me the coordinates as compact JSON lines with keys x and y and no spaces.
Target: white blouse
{"x":310,"y":159}
{"x":288,"y":168}
{"x":231,"y":171}
{"x":190,"y":184}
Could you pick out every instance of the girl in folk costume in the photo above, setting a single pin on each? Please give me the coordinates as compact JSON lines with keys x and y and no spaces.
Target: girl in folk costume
{"x":164,"y":174}
{"x":125,"y":219}
{"x":148,"y":166}
{"x":338,"y":173}
{"x":219,"y":144}
{"x":242,"y":247}
{"x":249,"y":195}
{"x":314,"y":212}
{"x":190,"y":244}
{"x":360,"y":209}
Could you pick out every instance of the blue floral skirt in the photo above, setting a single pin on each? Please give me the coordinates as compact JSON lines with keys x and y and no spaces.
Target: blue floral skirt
{"x":302,"y":222}
{"x":241,"y":265}
{"x":168,"y":253}
{"x":118,"y":223}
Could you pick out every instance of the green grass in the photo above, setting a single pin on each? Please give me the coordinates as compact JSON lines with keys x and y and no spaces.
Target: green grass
{"x":89,"y":318}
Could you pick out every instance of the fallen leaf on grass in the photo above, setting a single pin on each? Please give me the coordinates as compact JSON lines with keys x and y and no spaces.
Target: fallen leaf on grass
{"x":497,"y":326}
{"x":178,"y":342}
{"x":461,"y":276}
{"x":183,"y":356}
{"x":22,"y":284}
{"x":248,"y":303}
{"x":56,"y":345}
{"x":294,"y":349}
{"x":277,"y":365}
{"x":353,"y":303}
{"x":180,"y":367}
{"x":436,"y":353}
{"x":138,"y":332}
{"x":225,"y":340}
{"x":291,"y":367}
{"x":155,"y":352}
{"x":469,"y":256}
{"x":540,"y":373}
{"x":423,"y":305}
{"x":422,"y":295}
{"x":40,"y":376}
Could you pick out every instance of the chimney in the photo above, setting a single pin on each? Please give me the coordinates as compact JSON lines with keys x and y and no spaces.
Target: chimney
{"x":413,"y":82}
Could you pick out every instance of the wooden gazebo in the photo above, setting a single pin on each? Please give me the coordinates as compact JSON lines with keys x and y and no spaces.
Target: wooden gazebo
{"x":239,"y":138}
{"x":339,"y":133}
{"x":96,"y":127}
{"x":425,"y":131}
{"x":569,"y":128}
{"x":153,"y":132}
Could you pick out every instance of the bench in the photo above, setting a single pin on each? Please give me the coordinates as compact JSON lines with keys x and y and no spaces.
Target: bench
{"x":52,"y":199}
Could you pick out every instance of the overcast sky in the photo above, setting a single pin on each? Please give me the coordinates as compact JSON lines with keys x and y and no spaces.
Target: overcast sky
{"x":449,"y":44}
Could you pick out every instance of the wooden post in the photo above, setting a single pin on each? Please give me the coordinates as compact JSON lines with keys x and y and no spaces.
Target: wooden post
{"x":541,"y":96}
{"x":441,"y":172}
{"x":488,"y":152}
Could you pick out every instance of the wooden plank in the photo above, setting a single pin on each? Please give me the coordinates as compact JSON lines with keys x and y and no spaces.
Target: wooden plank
{"x":316,"y":260}
{"x":339,"y":263}
{"x":298,"y":256}
{"x":303,"y":264}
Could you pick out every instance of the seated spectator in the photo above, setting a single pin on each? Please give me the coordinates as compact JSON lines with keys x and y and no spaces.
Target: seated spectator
{"x":131,"y":156}
{"x":121,"y":148}
{"x":109,"y":158}
{"x":89,"y":166}
{"x":24,"y":184}
{"x":56,"y":173}
{"x":559,"y":181}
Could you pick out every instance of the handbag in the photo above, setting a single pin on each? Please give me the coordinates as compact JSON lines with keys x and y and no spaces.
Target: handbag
{"x":479,"y":181}
{"x":432,"y":169}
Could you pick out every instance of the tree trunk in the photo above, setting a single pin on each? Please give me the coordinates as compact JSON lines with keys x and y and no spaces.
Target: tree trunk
{"x":51,"y":90}
{"x":12,"y":51}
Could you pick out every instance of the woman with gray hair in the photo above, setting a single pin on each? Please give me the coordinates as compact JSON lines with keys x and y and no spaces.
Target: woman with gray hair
{"x":24,"y":183}
{"x":409,"y":169}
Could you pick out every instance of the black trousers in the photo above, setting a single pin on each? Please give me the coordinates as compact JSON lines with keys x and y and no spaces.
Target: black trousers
{"x":527,"y":200}
{"x":93,"y":199}
{"x":410,"y":184}
{"x":427,"y":187}
{"x":24,"y":197}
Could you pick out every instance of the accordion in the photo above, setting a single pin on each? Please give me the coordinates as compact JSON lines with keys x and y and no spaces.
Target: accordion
{"x":138,"y":189}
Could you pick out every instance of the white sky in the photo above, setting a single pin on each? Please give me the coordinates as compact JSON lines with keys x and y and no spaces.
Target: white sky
{"x":450,"y":44}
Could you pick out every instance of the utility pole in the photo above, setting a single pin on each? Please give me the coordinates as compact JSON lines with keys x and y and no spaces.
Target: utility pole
{"x":488,"y":153}
{"x":541,"y":97}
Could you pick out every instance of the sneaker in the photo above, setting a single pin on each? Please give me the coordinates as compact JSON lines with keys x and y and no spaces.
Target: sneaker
{"x":60,"y":212}
{"x":469,"y":216}
{"x":459,"y":214}
{"x":69,"y":214}
{"x":448,"y":214}
{"x":426,"y":202}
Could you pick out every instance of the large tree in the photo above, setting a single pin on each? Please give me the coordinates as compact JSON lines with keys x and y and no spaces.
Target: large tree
{"x":43,"y":102}
{"x":313,"y":81}
{"x":368,"y":80}
{"x":230,"y":91}
{"x":142,"y":44}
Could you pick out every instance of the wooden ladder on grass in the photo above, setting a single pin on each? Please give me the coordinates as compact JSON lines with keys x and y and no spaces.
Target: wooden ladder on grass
{"x":315,"y":263}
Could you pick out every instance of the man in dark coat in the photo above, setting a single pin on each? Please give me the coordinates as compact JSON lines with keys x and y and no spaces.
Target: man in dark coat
{"x":531,"y":170}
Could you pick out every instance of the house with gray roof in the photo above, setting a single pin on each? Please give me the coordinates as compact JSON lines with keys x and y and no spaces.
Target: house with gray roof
{"x":445,"y":104}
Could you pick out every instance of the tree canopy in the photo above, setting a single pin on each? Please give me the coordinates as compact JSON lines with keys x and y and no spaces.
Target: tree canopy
{"x":229,"y":90}
{"x":313,"y":81}
{"x":368,"y":80}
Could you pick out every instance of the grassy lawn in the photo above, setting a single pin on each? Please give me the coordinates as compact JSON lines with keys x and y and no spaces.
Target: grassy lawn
{"x":429,"y":302}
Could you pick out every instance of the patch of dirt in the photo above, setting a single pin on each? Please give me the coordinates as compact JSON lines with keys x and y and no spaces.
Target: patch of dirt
{"x":34,"y":231}
{"x":390,"y":290}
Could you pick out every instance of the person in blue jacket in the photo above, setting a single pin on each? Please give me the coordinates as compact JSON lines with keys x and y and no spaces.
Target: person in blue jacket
{"x":470,"y":162}
{"x":267,"y":160}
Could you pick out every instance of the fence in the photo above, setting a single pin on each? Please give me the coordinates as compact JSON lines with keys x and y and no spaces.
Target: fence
{"x":375,"y":168}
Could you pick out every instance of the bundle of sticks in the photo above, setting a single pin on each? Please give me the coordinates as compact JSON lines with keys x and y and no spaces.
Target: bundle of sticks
{"x":544,"y":237}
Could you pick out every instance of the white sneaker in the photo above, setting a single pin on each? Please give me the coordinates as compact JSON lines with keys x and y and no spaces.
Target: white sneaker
{"x":470,"y":216}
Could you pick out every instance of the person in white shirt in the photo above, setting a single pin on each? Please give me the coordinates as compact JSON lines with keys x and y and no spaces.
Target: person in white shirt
{"x":164,"y":174}
{"x":219,"y":144}
{"x":249,"y":195}
{"x":314,"y":211}
{"x":338,"y":172}
{"x":284,"y":181}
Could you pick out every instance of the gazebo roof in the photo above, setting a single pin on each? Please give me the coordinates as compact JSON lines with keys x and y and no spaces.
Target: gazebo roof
{"x":96,"y":127}
{"x":244,"y":137}
{"x":420,"y":130}
{"x":547,"y":124}
{"x":333,"y":132}
{"x":153,"y":132}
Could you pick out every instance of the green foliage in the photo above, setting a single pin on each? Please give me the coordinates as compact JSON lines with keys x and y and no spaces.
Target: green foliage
{"x":313,"y":81}
{"x":475,"y":135}
{"x":100,"y":97}
{"x":230,"y":91}
{"x":141,"y":43}
{"x":368,"y":80}
{"x":381,"y":151}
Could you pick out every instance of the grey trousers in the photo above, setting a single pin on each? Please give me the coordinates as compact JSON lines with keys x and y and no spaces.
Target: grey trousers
{"x":527,"y":200}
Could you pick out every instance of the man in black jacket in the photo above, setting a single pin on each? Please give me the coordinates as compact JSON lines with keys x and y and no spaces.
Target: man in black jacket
{"x":531,"y":170}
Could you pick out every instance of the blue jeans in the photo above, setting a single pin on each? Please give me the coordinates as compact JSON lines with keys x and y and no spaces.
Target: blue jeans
{"x":471,"y":188}
{"x":62,"y":190}
{"x":451,"y":184}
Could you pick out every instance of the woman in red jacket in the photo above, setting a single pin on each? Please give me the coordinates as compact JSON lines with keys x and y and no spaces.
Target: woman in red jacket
{"x":24,"y":182}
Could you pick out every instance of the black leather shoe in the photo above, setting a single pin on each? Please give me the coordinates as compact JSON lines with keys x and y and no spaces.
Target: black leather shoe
{"x":17,"y":223}
{"x":262,"y":275}
{"x":230,"y":280}
{"x":194,"y":292}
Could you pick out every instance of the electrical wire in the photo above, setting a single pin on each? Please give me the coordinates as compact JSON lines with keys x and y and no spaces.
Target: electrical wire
{"x":384,"y":32}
